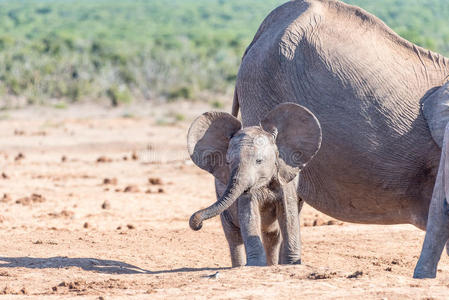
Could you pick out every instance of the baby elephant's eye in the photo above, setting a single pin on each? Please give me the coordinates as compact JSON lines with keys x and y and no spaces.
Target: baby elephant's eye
{"x":258,"y":161}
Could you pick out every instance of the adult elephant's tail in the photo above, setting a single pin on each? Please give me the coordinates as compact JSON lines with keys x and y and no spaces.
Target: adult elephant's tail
{"x":235,"y":104}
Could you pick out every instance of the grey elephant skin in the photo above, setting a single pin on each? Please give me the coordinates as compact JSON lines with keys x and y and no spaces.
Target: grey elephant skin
{"x":382,"y":103}
{"x":255,"y":168}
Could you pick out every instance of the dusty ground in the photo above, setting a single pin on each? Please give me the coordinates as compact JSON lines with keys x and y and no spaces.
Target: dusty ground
{"x":101,"y":228}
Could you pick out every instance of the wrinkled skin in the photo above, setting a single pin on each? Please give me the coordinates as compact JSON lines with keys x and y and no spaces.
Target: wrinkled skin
{"x":255,"y":169}
{"x":382,"y":103}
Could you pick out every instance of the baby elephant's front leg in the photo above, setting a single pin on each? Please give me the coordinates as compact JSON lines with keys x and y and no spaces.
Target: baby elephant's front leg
{"x":288,"y":216}
{"x":249,"y":219}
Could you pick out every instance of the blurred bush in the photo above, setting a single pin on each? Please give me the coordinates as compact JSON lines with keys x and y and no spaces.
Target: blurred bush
{"x":83,"y":50}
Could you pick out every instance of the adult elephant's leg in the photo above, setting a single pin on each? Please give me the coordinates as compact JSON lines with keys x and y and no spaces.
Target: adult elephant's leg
{"x":288,"y":216}
{"x":437,"y":231}
{"x":234,"y":238}
{"x":437,"y":234}
{"x":249,"y":221}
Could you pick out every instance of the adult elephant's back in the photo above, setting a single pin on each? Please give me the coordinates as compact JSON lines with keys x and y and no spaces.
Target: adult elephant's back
{"x":377,"y":163}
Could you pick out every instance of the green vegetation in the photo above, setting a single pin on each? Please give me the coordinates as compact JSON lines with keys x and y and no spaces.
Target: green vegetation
{"x":82,"y":50}
{"x":424,"y":22}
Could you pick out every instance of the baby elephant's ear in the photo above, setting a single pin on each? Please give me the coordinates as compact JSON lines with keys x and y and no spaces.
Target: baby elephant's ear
{"x":208,"y":141}
{"x":298,"y":137}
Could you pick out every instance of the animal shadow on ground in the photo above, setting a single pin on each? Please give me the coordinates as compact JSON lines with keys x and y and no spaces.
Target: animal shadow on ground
{"x":87,"y":264}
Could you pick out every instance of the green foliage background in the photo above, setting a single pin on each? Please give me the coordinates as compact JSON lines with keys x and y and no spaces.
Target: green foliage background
{"x":84,"y":50}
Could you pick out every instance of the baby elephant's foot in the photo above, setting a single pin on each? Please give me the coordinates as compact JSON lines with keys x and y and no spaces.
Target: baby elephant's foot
{"x":256,"y":263}
{"x":296,"y":261}
{"x":256,"y":260}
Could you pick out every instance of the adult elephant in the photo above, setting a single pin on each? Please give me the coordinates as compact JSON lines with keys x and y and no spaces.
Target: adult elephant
{"x":382,"y":103}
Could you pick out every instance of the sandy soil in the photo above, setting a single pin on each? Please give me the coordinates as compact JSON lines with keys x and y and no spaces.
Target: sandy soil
{"x":97,"y":205}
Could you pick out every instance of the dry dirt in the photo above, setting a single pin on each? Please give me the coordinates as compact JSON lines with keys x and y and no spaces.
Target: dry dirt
{"x":95,"y":203}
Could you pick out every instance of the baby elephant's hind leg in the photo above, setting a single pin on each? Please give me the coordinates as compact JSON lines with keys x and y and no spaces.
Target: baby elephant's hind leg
{"x":272,"y":244}
{"x":271,"y":234}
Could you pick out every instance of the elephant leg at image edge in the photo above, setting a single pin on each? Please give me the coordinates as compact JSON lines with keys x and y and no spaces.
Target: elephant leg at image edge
{"x":437,"y":231}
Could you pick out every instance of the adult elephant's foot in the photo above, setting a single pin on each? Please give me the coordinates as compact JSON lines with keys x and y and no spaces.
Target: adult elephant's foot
{"x":436,"y":237}
{"x":423,"y":272}
{"x":255,"y":256}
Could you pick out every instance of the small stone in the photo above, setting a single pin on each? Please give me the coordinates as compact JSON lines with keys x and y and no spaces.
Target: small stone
{"x":6,"y":198}
{"x":134,"y":156}
{"x":24,"y":201}
{"x":155,"y":181}
{"x":131,"y":226}
{"x":86,"y":225}
{"x":106,"y":205}
{"x":103,"y":159}
{"x":7,"y":290}
{"x":160,"y":190}
{"x":19,"y":157}
{"x":37,"y":198}
{"x":5,"y":176}
{"x":63,"y":158}
{"x":112,"y":181}
{"x":318,"y":222}
{"x":131,"y":189}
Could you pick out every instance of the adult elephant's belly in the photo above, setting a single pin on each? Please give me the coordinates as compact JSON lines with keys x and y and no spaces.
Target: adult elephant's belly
{"x":376,"y":164}
{"x":368,"y":170}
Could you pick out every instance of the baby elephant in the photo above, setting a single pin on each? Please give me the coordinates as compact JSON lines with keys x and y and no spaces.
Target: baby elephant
{"x":254,"y":171}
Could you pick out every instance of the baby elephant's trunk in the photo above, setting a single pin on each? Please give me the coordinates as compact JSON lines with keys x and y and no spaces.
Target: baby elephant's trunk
{"x":234,"y":189}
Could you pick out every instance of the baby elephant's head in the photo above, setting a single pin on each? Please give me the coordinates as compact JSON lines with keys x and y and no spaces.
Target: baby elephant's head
{"x":250,"y":158}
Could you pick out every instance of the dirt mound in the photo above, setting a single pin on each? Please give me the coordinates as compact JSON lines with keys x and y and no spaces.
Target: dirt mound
{"x":34,"y":198}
